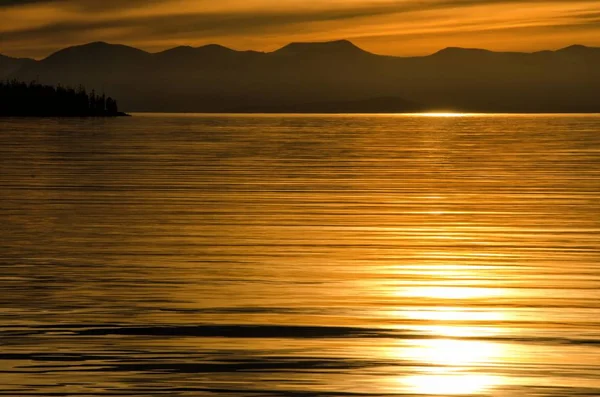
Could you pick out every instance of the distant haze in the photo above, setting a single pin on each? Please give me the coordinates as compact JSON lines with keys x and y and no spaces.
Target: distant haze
{"x":35,"y":28}
{"x":323,"y":77}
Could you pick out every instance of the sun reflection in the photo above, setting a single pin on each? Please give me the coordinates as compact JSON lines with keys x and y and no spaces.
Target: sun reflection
{"x":458,"y":331}
{"x":452,"y":314}
{"x":452,"y":306}
{"x":453,"y":292}
{"x":449,"y":384}
{"x":448,"y":366}
{"x":454,"y":357}
{"x":449,"y":352}
{"x":445,"y":114}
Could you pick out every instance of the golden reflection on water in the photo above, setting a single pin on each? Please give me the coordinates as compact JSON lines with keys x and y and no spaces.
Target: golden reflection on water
{"x":316,"y":255}
{"x":454,"y":352}
{"x":451,"y":366}
{"x":449,"y":384}
{"x":454,"y":314}
{"x":454,"y":362}
{"x":446,"y":114}
{"x":453,"y":292}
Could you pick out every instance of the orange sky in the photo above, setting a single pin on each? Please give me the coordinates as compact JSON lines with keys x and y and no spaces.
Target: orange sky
{"x":35,"y":28}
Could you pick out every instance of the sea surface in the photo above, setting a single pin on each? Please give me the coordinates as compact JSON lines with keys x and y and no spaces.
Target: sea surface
{"x":287,"y":255}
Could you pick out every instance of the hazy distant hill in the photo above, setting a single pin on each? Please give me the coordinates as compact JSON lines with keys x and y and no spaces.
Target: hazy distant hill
{"x":10,"y":65}
{"x":372,"y":105}
{"x":325,"y":77}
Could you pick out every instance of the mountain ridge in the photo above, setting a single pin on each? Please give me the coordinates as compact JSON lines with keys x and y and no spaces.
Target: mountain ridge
{"x":331,"y":45}
{"x":336,"y":74}
{"x":323,"y":47}
{"x":95,"y":49}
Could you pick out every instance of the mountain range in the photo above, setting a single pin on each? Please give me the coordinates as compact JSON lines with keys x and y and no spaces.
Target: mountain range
{"x":332,"y":76}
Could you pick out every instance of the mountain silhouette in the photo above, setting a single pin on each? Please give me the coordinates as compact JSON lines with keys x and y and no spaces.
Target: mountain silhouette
{"x":577,"y":49}
{"x":324,"y":76}
{"x":204,"y":52}
{"x":10,"y":65}
{"x":96,"y":50}
{"x":339,"y":48}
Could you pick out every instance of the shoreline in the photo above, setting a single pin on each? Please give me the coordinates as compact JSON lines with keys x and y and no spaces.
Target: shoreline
{"x":103,"y":116}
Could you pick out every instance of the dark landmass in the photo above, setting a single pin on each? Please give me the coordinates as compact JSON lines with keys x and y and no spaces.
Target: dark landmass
{"x":37,"y":100}
{"x":374,"y":105}
{"x":325,"y":77}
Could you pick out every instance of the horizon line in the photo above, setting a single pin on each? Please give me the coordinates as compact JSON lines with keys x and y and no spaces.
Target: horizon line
{"x":423,"y":114}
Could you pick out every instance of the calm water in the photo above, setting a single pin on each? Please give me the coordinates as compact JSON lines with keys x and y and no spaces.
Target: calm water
{"x":300,"y":255}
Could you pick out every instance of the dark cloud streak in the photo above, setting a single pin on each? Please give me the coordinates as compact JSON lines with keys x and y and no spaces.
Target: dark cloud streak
{"x":230,"y":23}
{"x":85,"y":5}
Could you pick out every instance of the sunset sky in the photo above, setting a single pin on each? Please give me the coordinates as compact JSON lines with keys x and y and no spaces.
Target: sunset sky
{"x":36,"y":28}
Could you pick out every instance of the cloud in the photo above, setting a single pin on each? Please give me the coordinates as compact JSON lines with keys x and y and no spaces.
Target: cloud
{"x":81,"y":4}
{"x":37,"y":27}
